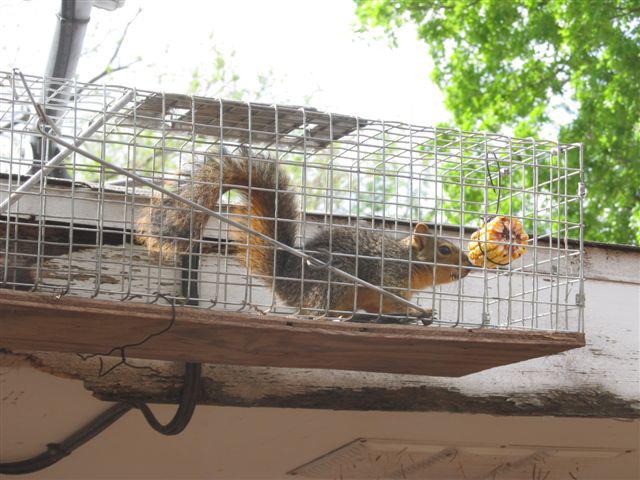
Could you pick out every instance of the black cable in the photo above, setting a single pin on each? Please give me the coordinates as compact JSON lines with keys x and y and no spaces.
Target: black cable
{"x":186,"y":407}
{"x":188,"y":400}
{"x":193,"y":371}
{"x":57,"y":451}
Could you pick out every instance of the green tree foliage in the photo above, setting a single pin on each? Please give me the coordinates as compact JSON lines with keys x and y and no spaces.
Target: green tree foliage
{"x":526,"y":66}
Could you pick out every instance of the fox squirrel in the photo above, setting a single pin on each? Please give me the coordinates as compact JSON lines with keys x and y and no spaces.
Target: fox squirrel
{"x":400,"y":266}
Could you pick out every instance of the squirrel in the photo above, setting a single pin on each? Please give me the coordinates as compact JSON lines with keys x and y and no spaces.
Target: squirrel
{"x":400,"y":266}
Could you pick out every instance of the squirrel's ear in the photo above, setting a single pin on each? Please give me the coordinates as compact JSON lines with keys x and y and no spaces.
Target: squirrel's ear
{"x":419,"y":237}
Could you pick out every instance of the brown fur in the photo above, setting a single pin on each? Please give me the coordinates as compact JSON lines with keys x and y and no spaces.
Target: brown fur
{"x":399,"y":266}
{"x":166,"y":229}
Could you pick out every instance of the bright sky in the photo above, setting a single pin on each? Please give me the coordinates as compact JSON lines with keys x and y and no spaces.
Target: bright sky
{"x":310,"y":46}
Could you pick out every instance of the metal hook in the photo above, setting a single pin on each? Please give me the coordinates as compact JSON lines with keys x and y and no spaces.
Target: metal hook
{"x":315,"y":264}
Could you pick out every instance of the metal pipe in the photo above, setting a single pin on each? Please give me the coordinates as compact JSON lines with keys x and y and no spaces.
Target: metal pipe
{"x":64,"y":55}
{"x":66,"y":46}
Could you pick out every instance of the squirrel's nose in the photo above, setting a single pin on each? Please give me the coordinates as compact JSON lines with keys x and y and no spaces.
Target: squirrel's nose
{"x":465,"y":263}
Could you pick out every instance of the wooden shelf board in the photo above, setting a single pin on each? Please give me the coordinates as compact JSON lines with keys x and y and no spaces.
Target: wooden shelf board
{"x":44,"y":322}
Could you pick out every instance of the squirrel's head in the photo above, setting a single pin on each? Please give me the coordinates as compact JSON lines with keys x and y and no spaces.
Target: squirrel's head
{"x":449,"y":263}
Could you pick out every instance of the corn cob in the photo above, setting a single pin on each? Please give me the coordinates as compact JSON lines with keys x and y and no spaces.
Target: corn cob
{"x":501,"y":238}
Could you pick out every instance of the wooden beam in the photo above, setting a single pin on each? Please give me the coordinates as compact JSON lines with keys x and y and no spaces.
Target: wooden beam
{"x":45,"y":322}
{"x":154,"y":381}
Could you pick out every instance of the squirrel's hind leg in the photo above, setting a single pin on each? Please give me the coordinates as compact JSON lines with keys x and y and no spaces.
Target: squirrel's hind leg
{"x":389,"y":312}
{"x":391,"y":319}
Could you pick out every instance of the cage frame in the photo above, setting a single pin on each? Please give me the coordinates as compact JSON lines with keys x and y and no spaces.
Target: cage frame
{"x":47,"y":130}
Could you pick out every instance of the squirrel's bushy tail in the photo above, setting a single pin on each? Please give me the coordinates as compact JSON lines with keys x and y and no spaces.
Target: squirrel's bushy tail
{"x":166,"y":227}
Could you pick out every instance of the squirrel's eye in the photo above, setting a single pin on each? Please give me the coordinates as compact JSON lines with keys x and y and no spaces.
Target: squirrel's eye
{"x":444,"y":250}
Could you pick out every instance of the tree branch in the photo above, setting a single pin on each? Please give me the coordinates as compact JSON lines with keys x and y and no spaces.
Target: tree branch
{"x":122,"y":37}
{"x":109,"y":71}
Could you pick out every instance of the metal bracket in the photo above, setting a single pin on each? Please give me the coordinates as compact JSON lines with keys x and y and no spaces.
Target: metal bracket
{"x":582,"y":190}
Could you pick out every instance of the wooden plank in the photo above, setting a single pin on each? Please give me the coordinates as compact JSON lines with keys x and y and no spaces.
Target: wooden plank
{"x":35,"y":321}
{"x":254,"y":123}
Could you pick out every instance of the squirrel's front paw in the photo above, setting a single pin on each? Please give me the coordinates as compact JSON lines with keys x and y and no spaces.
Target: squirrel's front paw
{"x":426,"y":316}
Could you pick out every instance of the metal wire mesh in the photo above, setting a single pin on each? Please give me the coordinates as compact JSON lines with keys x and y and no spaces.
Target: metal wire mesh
{"x":75,"y":236}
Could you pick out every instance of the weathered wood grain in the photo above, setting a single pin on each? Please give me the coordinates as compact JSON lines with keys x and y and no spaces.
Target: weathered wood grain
{"x":34,"y":321}
{"x":160,"y":382}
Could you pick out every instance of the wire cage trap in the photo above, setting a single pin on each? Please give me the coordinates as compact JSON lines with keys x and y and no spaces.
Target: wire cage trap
{"x":112,"y":155}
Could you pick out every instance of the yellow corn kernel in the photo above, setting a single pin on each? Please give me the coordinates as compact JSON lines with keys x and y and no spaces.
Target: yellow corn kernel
{"x":500,"y":238}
